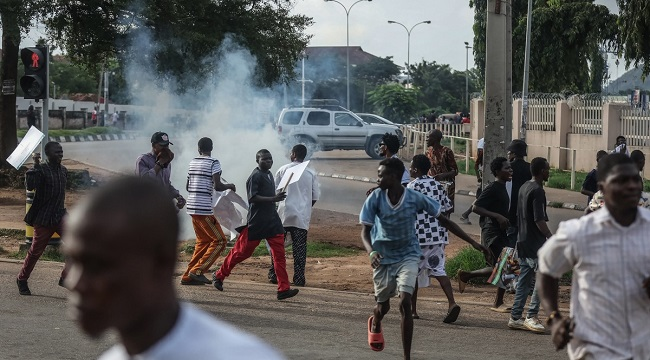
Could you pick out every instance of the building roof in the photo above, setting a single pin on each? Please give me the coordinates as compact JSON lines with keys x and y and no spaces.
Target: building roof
{"x":357,"y":55}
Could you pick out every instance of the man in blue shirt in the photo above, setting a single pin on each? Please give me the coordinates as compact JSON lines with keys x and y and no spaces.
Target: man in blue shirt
{"x":388,"y":217}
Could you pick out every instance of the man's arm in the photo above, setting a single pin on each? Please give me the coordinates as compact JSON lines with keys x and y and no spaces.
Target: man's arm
{"x":502,"y":220}
{"x":252,"y":189}
{"x":539,"y":212}
{"x":219,"y":186}
{"x":543,"y":227}
{"x":375,"y":256}
{"x":143,"y":169}
{"x":456,"y":230}
{"x":561,"y":328}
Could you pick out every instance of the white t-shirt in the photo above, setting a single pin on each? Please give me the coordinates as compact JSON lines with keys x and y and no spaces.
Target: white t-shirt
{"x":481,"y":143}
{"x":201,"y":185}
{"x":295,"y":210}
{"x":198,"y":335}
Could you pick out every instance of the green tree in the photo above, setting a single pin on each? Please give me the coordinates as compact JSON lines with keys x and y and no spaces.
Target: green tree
{"x":378,"y":71}
{"x":565,"y":40}
{"x":395,"y":102}
{"x":441,"y":87}
{"x":634,"y":24}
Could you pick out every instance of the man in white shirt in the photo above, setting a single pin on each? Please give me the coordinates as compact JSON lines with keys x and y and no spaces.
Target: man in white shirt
{"x":295,"y":212}
{"x":130,"y":291}
{"x":609,"y":253}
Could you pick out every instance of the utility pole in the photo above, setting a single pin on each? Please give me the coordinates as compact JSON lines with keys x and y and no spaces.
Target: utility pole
{"x":498,"y":82}
{"x":524,"y":91}
{"x":45,"y":119}
{"x":105,"y":99}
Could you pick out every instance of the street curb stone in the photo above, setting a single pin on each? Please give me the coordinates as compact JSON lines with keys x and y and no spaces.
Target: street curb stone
{"x":88,"y":138}
{"x":554,"y":204}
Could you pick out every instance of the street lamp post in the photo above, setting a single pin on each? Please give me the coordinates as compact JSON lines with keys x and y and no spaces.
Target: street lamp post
{"x":408,"y":45}
{"x":347,"y":48}
{"x":467,"y":47}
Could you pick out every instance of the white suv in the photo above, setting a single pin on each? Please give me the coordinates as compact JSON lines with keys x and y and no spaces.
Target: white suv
{"x":331,"y":127}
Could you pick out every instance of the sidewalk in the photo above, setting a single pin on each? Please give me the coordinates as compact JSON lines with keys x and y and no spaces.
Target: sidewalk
{"x":366,"y":171}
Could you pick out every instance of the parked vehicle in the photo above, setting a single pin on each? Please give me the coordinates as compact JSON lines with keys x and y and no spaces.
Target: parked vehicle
{"x":327,"y":127}
{"x":376,"y":119}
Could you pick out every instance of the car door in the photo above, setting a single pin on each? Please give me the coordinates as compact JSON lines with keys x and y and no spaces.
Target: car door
{"x":348,"y":132}
{"x":319,"y":126}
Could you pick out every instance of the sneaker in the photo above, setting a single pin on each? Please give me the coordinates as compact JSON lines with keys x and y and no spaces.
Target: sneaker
{"x":23,"y":289}
{"x":61,"y":283}
{"x":465,"y":220}
{"x":533,"y":324}
{"x":192,"y":282}
{"x":287,"y":294}
{"x":200,"y":278}
{"x":516,"y":324}
{"x":218,"y":284}
{"x":273,"y":281}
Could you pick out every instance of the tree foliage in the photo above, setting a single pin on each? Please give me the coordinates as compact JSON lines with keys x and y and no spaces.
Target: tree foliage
{"x":178,"y":39}
{"x":378,"y":71}
{"x":566,"y":40}
{"x":395,"y":102}
{"x":634,"y":23}
{"x":441,"y":87}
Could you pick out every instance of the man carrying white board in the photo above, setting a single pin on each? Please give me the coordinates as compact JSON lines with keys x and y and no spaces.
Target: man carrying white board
{"x":295,"y":211}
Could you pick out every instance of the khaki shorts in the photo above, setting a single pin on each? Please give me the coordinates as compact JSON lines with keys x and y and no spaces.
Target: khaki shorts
{"x":393,"y":278}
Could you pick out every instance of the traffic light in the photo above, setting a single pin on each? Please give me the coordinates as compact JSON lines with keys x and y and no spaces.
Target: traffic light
{"x":34,"y":83}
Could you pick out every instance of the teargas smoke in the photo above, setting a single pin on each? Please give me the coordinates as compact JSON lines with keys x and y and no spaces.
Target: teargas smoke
{"x":238,"y":116}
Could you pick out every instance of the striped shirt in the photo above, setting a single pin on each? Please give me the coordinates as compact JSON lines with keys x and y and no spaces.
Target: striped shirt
{"x":610,"y":307}
{"x":200,"y":184}
{"x":49,"y":181}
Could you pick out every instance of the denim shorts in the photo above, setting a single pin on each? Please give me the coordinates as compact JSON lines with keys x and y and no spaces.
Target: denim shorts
{"x":392,"y":278}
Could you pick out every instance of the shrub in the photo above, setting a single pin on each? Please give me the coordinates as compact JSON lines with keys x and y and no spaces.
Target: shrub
{"x":467,"y":259}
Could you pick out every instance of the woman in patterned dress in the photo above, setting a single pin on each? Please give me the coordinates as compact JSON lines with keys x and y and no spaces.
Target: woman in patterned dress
{"x":443,"y":164}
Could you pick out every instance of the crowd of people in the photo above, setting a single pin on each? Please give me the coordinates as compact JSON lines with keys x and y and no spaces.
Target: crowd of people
{"x":405,"y":223}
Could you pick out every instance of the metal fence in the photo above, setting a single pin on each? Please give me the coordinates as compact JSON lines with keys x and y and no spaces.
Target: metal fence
{"x":458,"y":130}
{"x":541,"y":113}
{"x":586,"y":114}
{"x":635,"y":126}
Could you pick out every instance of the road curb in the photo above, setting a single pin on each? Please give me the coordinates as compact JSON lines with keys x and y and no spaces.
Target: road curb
{"x":89,"y":138}
{"x":554,"y":204}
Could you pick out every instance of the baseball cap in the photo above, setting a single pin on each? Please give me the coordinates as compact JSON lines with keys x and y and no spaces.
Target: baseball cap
{"x":160,"y":138}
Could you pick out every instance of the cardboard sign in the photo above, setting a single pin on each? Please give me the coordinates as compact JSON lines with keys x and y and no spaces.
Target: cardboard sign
{"x":26,"y":147}
{"x":292,"y":175}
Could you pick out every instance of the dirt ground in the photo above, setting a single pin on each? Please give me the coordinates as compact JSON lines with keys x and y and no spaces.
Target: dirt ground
{"x":351,"y":273}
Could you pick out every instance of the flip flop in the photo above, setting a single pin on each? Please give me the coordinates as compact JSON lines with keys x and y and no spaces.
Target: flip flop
{"x":502,"y":309}
{"x":461,"y":283}
{"x":375,"y":340}
{"x":452,"y":315}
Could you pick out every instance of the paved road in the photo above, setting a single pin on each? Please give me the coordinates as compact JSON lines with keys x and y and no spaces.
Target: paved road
{"x":317,"y":324}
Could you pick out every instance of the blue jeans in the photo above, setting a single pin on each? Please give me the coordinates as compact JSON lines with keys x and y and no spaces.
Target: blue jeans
{"x":528,"y":268}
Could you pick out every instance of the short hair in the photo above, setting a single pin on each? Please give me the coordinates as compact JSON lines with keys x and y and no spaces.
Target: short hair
{"x":620,"y":137}
{"x":300,"y":150}
{"x":392,"y":142}
{"x":394,"y":166}
{"x":260,"y":153}
{"x":205,"y":144}
{"x":518,"y":147}
{"x":607,"y":163}
{"x":637,"y":155}
{"x":497,"y":164}
{"x":600,"y":154}
{"x":537,"y":165}
{"x":435,"y":133}
{"x":422,"y":163}
{"x":50,"y":145}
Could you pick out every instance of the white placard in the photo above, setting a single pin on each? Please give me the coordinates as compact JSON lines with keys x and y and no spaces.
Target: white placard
{"x":292,"y":175}
{"x":29,"y":143}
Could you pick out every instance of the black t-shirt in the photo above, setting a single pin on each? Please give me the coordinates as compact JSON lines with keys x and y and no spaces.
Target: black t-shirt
{"x":494,"y":198}
{"x":520,"y":174}
{"x":532,"y":208}
{"x":591,"y":183}
{"x":263,"y":219}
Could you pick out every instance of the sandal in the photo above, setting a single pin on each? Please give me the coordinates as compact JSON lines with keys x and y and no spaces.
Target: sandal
{"x":452,"y":315}
{"x":375,"y":340}
{"x":461,"y":283}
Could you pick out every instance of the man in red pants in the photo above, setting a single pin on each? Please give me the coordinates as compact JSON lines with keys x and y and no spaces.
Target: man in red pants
{"x":263,"y":223}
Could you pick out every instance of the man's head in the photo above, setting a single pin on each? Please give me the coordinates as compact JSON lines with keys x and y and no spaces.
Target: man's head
{"x":205,"y":145}
{"x":390,"y":145}
{"x":620,"y":182}
{"x":30,"y":108}
{"x":434,"y":138}
{"x":600,"y":154}
{"x":620,"y":140}
{"x":638,"y":158}
{"x":159,"y":141}
{"x":298,"y":153}
{"x":53,"y":152}
{"x":420,"y":165}
{"x":501,"y":169}
{"x":390,"y":173}
{"x":517,"y":149}
{"x":264,"y":159}
{"x":121,"y":246}
{"x":540,"y":168}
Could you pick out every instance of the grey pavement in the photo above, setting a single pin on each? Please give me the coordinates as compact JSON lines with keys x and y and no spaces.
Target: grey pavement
{"x":316,"y":324}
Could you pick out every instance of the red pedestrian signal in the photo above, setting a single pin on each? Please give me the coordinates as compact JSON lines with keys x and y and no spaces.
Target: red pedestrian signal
{"x":34,"y":83}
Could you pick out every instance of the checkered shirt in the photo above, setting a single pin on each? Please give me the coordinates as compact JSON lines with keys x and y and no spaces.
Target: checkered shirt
{"x":427,"y":228}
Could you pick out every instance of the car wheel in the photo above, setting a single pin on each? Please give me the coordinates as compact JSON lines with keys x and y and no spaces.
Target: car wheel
{"x":372,"y":149}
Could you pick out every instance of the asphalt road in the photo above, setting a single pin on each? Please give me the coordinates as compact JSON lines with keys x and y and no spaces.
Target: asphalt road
{"x":316,"y":324}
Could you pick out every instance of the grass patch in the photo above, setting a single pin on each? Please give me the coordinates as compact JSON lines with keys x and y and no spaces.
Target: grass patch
{"x":95,"y":130}
{"x":467,"y":259}
{"x":461,"y":167}
{"x":12,"y":233}
{"x":50,"y":254}
{"x":314,"y":249}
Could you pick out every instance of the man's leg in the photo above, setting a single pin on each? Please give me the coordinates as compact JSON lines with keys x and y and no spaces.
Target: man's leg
{"x":60,"y":229}
{"x":406,"y":277}
{"x":242,"y":250}
{"x":216,"y":240}
{"x":299,"y":248}
{"x":414,"y":302}
{"x":279,"y":261}
{"x":42,"y":236}
{"x":526,"y":274}
{"x":200,"y":246}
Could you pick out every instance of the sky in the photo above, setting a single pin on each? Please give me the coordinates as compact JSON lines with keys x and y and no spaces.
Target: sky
{"x":441,"y":41}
